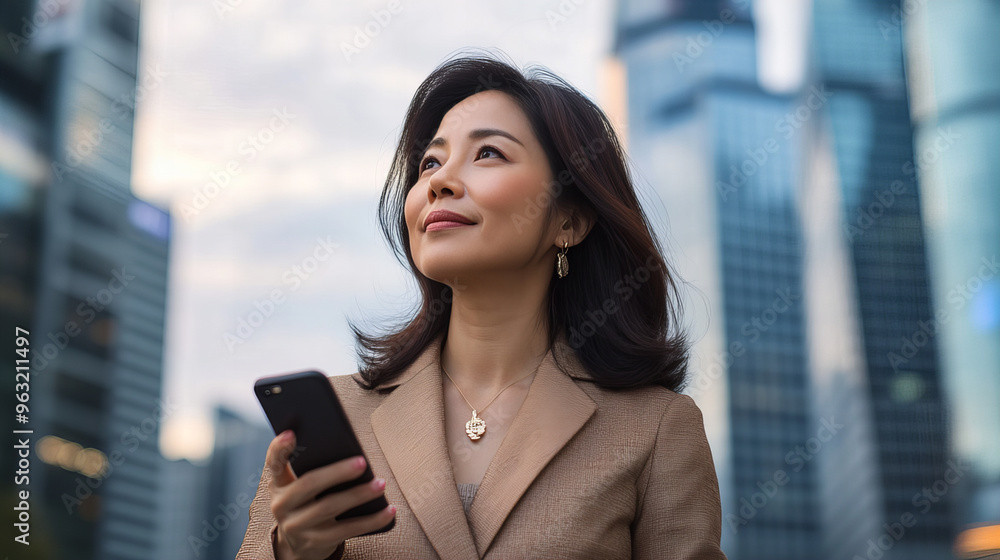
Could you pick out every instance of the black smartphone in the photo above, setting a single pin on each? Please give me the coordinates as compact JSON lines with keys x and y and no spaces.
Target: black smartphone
{"x":305,"y":403}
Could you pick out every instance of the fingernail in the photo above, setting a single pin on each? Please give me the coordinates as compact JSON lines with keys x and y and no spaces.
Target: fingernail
{"x":379,"y":483}
{"x":359,"y":462}
{"x":286,"y":436}
{"x":392,"y":510}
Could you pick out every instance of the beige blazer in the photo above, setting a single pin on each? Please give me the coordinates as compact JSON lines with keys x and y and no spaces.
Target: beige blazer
{"x":583,"y":472}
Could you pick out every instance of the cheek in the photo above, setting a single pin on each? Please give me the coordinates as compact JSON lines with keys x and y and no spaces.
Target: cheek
{"x":411,"y":209}
{"x":514,"y":208}
{"x":411,"y":213}
{"x":518,"y":193}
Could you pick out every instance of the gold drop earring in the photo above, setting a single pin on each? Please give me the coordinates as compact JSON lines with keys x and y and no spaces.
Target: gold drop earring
{"x":562,"y":263}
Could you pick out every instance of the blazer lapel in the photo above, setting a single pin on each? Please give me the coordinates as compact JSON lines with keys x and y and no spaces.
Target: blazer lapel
{"x":409,"y":427}
{"x":553,"y":411}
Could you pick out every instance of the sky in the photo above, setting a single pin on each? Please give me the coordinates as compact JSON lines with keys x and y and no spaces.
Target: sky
{"x":267,"y":129}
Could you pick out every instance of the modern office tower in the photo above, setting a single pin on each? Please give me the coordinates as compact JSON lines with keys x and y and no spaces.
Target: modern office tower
{"x":182,"y":503}
{"x":234,"y":473}
{"x":23,"y":167}
{"x":953,"y":65}
{"x":98,"y":268}
{"x":725,"y":157}
{"x":859,"y":61}
{"x":850,"y":486}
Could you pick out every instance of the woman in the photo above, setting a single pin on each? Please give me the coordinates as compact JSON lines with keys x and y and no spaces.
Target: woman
{"x":529,"y":409}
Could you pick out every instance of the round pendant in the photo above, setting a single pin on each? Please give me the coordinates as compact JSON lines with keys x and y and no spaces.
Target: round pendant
{"x":476,"y":427}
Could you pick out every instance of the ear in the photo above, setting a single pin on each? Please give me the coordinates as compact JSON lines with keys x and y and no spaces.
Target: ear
{"x":574,"y":225}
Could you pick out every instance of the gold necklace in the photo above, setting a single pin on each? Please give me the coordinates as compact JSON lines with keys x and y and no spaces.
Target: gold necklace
{"x":476,"y":427}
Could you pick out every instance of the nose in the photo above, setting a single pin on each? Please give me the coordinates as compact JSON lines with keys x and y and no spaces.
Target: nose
{"x":445,"y":181}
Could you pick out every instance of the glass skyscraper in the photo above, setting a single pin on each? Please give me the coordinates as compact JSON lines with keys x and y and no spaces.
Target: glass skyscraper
{"x":723,"y":156}
{"x":859,"y":61}
{"x":798,"y":216}
{"x":87,"y":277}
{"x":953,"y":63}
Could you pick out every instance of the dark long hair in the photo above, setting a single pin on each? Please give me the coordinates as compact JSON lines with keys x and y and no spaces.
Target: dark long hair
{"x":619,"y":308}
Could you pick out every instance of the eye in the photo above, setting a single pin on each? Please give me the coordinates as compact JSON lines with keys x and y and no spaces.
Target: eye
{"x":486,"y":148}
{"x":490,"y":149}
{"x":425,"y":161}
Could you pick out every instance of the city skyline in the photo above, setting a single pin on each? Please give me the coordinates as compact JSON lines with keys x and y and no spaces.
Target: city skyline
{"x":188,"y":202}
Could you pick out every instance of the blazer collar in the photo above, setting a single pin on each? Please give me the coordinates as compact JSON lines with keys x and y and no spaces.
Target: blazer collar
{"x":409,"y":427}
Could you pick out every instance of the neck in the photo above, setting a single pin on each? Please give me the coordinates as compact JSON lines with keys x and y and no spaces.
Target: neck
{"x":497,"y":330}
{"x":483,"y":365}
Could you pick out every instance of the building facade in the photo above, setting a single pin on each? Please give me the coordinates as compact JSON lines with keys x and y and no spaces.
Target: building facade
{"x":721,"y":154}
{"x":859,"y":60}
{"x":953,"y":62}
{"x":798,"y":215}
{"x":96,"y":267}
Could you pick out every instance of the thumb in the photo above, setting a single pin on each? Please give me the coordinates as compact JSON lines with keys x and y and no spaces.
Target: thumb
{"x":278,"y":452}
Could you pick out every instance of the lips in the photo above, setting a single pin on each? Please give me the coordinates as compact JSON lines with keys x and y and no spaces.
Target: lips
{"x":451,"y":218}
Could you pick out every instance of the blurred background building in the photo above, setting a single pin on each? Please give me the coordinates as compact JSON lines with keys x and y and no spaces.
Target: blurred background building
{"x":693,"y":94}
{"x":812,"y":188}
{"x":85,"y":270}
{"x":954,"y":84}
{"x":181,"y":505}
{"x":205,"y":507}
{"x":838,"y":223}
{"x":234,"y":474}
{"x":859,"y":59}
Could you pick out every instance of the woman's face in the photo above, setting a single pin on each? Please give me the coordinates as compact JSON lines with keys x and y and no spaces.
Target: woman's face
{"x":498,"y":182}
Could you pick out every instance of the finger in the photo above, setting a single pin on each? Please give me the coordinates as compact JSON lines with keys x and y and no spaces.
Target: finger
{"x":328,"y":507}
{"x":277,"y":458}
{"x":356,"y":526}
{"x":336,"y":531}
{"x":318,"y":480}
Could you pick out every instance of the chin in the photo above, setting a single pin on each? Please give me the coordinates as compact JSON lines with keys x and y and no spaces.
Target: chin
{"x":442,"y":270}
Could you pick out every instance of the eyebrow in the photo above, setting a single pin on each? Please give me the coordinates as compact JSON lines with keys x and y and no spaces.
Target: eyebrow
{"x":475,"y":134}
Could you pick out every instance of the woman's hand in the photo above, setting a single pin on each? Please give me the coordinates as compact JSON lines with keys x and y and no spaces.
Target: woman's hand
{"x":306,"y":526}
